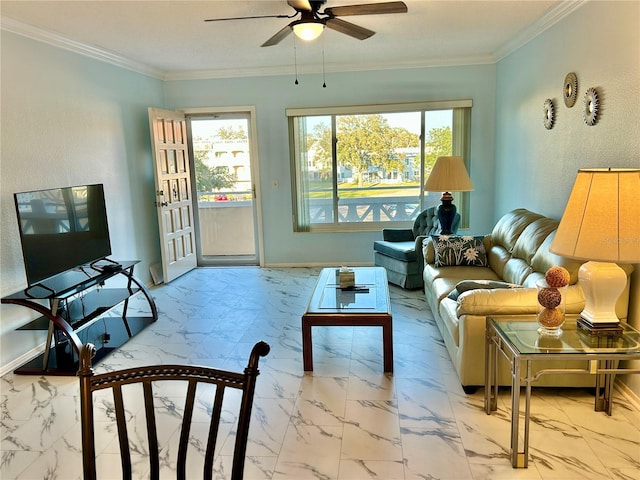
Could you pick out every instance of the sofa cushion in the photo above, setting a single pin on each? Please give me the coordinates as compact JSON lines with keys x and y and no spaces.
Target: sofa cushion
{"x":512,"y":301}
{"x":516,"y":270}
{"x":508,"y":229}
{"x":498,"y":258}
{"x":432,"y":272}
{"x":453,"y":250}
{"x":405,"y":251}
{"x":544,"y":259}
{"x":532,"y":237}
{"x":443,"y":286}
{"x":467,"y":285}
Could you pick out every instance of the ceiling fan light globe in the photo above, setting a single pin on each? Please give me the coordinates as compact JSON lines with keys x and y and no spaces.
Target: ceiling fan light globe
{"x":308,"y":31}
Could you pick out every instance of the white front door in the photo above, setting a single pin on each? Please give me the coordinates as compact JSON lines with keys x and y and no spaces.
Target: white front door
{"x":174,"y":202}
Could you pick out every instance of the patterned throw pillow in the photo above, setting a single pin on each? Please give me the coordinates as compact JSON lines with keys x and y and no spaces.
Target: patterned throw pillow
{"x":453,"y":251}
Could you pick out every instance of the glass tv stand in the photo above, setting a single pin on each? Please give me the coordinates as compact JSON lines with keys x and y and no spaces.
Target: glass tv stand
{"x":73,"y":308}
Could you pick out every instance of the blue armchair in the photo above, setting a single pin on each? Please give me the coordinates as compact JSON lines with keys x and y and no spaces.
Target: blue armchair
{"x":400,"y":250}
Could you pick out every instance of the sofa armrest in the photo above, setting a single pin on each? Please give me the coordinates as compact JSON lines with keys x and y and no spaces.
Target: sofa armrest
{"x":428,"y":250}
{"x":512,"y":301}
{"x":397,"y":234}
{"x":418,"y":248}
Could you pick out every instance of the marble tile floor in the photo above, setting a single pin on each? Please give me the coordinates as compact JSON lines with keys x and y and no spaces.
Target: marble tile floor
{"x":345,"y":421}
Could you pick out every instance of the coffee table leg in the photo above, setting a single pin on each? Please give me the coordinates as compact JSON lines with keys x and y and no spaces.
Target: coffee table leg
{"x":387,"y":346}
{"x":307,"y":349}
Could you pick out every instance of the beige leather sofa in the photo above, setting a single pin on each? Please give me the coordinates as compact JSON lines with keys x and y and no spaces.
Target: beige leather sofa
{"x":517,"y":251}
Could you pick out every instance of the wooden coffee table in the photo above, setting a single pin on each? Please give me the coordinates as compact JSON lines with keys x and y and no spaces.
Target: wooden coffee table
{"x":331,"y":306}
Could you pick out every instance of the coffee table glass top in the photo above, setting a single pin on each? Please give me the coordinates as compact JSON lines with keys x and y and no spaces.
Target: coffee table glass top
{"x":524,"y":336}
{"x":328,"y":297}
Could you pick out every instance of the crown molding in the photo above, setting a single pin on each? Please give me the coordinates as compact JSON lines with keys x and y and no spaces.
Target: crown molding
{"x":329,"y":68}
{"x":60,"y":41}
{"x":549,"y":19}
{"x":553,"y":16}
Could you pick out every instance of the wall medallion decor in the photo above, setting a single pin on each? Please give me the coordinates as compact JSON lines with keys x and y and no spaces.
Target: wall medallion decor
{"x":591,"y":105}
{"x":549,"y":114}
{"x":570,"y":90}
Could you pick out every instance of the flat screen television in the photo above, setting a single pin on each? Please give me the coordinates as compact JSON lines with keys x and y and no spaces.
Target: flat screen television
{"x":62,"y":229}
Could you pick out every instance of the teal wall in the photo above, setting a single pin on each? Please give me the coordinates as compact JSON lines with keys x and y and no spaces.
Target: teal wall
{"x":272,"y":95}
{"x":68,"y":120}
{"x":600,"y":42}
{"x":536,"y":167}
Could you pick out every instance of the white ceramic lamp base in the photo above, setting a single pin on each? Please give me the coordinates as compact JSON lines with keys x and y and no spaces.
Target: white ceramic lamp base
{"x":602,"y":283}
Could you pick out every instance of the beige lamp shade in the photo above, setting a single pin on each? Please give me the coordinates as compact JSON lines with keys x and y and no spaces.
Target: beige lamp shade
{"x":601,"y":224}
{"x":448,"y":175}
{"x":601,"y":221}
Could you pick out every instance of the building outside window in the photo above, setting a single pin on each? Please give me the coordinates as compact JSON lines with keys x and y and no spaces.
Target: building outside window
{"x":363,"y":167}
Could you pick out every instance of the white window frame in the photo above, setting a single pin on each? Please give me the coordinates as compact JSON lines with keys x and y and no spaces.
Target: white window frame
{"x":460,"y":147}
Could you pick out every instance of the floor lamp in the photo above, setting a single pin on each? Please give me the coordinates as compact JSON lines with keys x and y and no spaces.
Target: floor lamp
{"x":448,"y":175}
{"x":601,"y":224}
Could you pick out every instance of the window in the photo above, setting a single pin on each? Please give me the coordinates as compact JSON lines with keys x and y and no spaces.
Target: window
{"x":363,"y":167}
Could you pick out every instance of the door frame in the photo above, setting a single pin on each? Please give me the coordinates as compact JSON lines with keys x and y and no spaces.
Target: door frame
{"x":255,"y":170}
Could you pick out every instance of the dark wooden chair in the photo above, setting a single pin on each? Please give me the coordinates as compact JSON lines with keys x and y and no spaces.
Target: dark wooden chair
{"x":145,"y":378}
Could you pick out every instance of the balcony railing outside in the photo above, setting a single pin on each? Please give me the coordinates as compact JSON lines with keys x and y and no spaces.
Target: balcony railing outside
{"x":372,"y":209}
{"x":227,"y":226}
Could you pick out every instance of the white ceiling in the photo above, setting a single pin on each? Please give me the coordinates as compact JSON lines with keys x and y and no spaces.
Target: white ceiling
{"x":169,"y":39}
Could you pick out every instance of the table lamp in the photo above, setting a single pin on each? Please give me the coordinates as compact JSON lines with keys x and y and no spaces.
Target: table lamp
{"x":448,"y":175}
{"x":601,"y":224}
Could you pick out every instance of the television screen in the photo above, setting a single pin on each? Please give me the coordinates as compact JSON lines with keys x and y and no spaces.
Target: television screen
{"x":61,"y":229}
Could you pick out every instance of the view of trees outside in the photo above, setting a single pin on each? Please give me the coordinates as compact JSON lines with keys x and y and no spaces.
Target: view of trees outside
{"x":368,"y":148}
{"x":378,"y":157}
{"x":378,"y":170}
{"x":221,"y":159}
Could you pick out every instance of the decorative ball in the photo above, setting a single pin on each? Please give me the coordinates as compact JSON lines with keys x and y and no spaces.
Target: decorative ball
{"x":557,"y":277}
{"x":551,"y":317}
{"x":549,"y":297}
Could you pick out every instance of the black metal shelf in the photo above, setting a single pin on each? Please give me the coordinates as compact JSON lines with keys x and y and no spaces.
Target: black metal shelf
{"x":63,"y":360}
{"x":78,"y":301}
{"x":81,"y":311}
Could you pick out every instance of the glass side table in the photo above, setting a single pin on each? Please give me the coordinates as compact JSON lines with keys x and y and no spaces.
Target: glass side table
{"x":520,"y":343}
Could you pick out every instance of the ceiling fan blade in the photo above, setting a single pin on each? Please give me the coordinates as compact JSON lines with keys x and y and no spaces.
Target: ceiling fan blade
{"x":300,"y":5}
{"x":247,"y":18}
{"x":278,"y":37}
{"x":348,"y":28}
{"x":367,"y":9}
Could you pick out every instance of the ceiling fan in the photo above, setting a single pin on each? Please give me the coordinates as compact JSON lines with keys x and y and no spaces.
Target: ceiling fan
{"x":312,"y":21}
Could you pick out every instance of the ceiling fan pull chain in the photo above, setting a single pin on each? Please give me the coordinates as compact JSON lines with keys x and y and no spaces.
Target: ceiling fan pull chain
{"x":324,"y":83}
{"x":295,"y":59}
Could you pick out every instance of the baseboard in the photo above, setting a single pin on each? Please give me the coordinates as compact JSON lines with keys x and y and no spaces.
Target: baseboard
{"x":631,"y":397}
{"x":22,"y":359}
{"x":317,"y":265}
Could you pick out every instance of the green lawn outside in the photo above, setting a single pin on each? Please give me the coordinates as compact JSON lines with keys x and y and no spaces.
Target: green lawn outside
{"x":351,"y":190}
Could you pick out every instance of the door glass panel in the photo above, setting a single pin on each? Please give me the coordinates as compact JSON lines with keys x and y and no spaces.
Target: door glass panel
{"x":222,"y":165}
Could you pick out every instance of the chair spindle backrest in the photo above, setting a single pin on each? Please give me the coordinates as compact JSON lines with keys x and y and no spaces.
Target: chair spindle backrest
{"x":146,"y":376}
